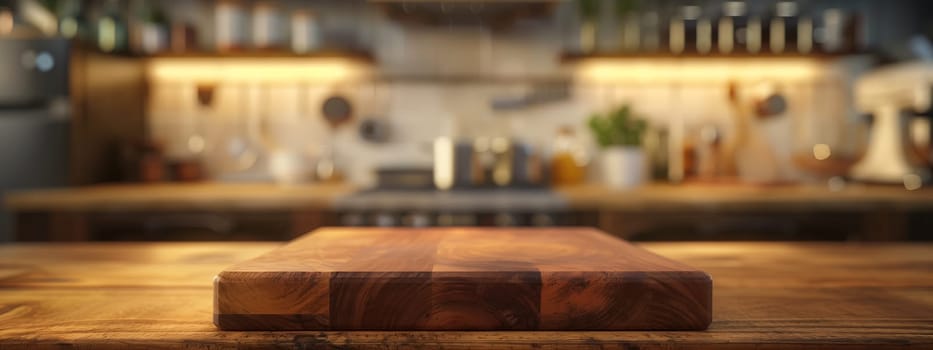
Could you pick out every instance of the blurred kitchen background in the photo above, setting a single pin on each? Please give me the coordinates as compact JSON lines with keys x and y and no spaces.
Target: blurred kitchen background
{"x":652,"y":120}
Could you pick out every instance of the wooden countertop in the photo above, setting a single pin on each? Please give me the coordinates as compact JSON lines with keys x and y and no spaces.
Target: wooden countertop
{"x":748,"y":197}
{"x":651,"y":197}
{"x":173,"y":196}
{"x":159,"y":295}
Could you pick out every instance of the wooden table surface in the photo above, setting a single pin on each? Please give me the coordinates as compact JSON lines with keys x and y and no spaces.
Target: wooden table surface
{"x":766,"y":295}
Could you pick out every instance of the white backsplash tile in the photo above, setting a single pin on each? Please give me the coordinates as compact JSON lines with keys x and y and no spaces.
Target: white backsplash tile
{"x":419,"y":111}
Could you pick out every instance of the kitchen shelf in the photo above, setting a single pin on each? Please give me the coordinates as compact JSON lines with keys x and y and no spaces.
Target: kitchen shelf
{"x":349,"y":54}
{"x":357,"y":55}
{"x":467,"y":79}
{"x":572,"y":57}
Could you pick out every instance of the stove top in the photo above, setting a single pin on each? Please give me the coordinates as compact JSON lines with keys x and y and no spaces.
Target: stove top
{"x":492,"y":199}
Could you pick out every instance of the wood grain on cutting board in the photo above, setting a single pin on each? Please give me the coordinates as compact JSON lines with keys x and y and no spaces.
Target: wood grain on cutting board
{"x":461,"y":279}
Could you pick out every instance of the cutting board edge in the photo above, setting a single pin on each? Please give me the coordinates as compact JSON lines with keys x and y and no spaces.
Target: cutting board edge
{"x":261,"y":322}
{"x":698,"y":318}
{"x":236,"y":293}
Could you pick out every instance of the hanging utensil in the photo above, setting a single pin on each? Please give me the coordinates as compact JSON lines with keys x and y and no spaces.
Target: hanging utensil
{"x":241,"y":150}
{"x":204,"y":94}
{"x":337,"y":111}
{"x":375,"y":130}
{"x":375,"y":127}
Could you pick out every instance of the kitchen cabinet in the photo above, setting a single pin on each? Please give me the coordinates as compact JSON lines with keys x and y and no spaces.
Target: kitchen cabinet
{"x":745,"y":225}
{"x":191,"y":225}
{"x":166,"y":212}
{"x":171,"y":226}
{"x":760,"y":213}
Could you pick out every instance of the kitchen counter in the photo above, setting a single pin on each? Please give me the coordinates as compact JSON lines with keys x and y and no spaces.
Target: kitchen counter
{"x":201,"y":196}
{"x":766,"y":295}
{"x":653,"y":212}
{"x":747,"y":197}
{"x":651,"y":197}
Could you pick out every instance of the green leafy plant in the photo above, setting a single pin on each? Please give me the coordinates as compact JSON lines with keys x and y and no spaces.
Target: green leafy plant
{"x":588,"y":9}
{"x":617,"y":128}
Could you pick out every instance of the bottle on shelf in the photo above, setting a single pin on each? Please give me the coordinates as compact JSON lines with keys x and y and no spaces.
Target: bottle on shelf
{"x":738,"y":32}
{"x":707,"y":32}
{"x":230,"y":29}
{"x":268,"y":27}
{"x":569,"y":158}
{"x":630,"y":27}
{"x":651,"y":32}
{"x":305,"y":33}
{"x":839,"y":31}
{"x":806,"y":32}
{"x":72,"y":24}
{"x":587,"y":12}
{"x":111,"y":29}
{"x":682,"y":30}
{"x":782,"y":32}
{"x":184,"y":37}
{"x":152,"y":29}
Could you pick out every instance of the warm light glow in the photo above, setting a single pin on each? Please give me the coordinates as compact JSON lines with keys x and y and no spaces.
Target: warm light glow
{"x":262,"y":70}
{"x":821,"y":151}
{"x":701,"y":70}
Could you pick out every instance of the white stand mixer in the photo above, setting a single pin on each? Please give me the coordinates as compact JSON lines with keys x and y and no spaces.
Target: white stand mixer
{"x":888,"y":94}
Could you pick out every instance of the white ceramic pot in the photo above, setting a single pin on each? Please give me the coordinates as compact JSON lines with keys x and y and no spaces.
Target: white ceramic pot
{"x":623,"y":166}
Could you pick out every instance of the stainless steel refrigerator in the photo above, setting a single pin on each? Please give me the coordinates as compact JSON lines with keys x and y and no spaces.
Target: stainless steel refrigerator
{"x":34,"y":118}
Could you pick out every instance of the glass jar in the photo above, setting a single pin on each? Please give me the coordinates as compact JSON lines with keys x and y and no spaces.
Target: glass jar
{"x":569,"y":158}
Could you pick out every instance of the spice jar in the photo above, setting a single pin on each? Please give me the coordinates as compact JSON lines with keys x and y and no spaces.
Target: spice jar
{"x":305,"y":32}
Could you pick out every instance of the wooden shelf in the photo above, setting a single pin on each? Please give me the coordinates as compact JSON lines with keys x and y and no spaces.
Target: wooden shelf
{"x":466,"y":79}
{"x":575,"y":57}
{"x":357,"y":55}
{"x":350,"y":54}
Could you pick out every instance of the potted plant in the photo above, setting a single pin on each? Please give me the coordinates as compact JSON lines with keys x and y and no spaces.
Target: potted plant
{"x":619,"y":134}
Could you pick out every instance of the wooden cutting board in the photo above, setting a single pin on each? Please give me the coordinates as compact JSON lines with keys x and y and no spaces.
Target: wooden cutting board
{"x":461,"y":279}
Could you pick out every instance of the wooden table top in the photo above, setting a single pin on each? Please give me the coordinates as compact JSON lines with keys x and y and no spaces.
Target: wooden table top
{"x":654,"y":197}
{"x":159,"y":295}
